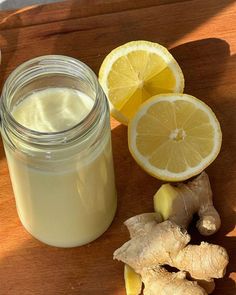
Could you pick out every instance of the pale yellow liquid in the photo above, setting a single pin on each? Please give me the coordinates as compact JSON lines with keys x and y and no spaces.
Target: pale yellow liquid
{"x":70,"y":201}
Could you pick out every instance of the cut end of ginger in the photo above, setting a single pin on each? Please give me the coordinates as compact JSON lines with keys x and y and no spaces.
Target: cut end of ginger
{"x":180,"y":203}
{"x":164,"y":199}
{"x":133,"y":282}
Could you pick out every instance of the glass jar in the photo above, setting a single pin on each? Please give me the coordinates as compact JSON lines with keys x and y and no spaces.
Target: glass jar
{"x":63,"y":181}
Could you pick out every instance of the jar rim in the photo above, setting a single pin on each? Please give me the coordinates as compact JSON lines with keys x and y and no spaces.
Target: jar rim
{"x":63,"y":136}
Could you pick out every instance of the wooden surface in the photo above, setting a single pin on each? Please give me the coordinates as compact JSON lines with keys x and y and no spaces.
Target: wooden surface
{"x":202,"y":37}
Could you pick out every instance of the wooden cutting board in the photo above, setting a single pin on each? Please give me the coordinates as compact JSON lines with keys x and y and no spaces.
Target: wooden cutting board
{"x":202,"y":37}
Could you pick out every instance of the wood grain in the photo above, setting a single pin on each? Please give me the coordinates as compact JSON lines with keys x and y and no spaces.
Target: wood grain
{"x":201,"y":36}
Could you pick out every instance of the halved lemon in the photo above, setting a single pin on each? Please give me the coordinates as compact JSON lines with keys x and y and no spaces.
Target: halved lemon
{"x":134,"y":72}
{"x":174,"y":136}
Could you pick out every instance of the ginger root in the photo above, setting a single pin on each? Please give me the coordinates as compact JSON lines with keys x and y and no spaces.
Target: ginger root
{"x":159,"y":281}
{"x":179,"y":203}
{"x":166,"y":243}
{"x":140,"y":224}
{"x":154,"y":245}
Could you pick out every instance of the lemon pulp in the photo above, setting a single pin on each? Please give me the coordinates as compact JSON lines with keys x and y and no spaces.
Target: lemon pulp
{"x":134,"y":72}
{"x":174,"y":136}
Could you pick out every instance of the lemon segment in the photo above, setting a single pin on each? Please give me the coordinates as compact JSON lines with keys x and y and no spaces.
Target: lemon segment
{"x":133,"y":282}
{"x":174,"y":136}
{"x":134,"y":72}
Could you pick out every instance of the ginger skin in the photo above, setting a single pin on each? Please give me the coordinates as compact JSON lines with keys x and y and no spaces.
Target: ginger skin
{"x":142,"y":223}
{"x":159,"y":281}
{"x":180,"y":203}
{"x":167,"y":243}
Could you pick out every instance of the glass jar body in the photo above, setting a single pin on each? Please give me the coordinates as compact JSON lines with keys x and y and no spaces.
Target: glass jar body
{"x":63,"y":183}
